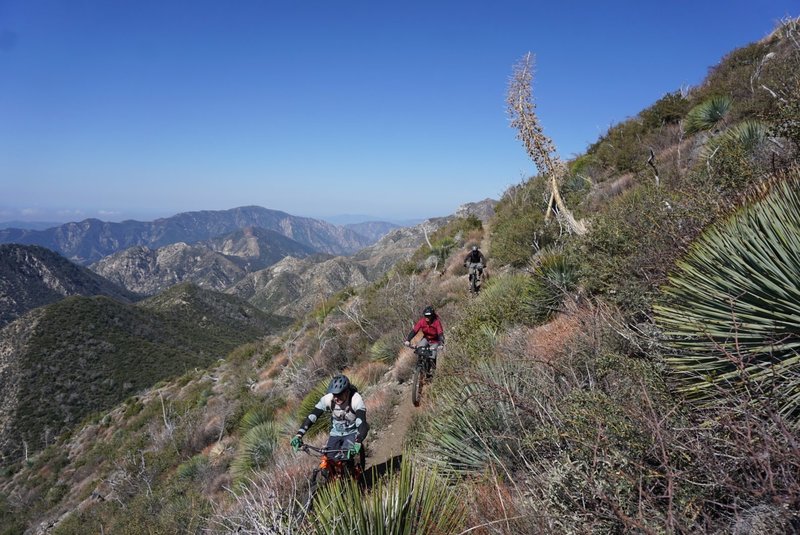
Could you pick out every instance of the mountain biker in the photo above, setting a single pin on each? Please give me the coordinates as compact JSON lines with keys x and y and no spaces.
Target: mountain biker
{"x":432,"y":331}
{"x":475,"y":261}
{"x":348,"y":418}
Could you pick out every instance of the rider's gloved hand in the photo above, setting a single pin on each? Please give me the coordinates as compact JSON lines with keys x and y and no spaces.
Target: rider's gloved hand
{"x":354,"y":450}
{"x":296,"y":441}
{"x":407,"y":343}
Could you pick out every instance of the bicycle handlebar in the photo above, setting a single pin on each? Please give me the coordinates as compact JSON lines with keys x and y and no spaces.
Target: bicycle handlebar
{"x":324,"y":451}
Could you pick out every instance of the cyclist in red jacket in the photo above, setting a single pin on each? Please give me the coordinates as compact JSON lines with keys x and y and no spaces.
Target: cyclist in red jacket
{"x":432,"y":331}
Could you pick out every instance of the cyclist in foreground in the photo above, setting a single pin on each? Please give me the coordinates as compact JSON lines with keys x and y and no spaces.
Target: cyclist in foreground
{"x":348,"y":419}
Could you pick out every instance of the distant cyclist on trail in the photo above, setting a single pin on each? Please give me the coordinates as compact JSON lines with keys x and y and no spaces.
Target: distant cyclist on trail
{"x":431,"y":328}
{"x":475,"y":261}
{"x":348,"y":418}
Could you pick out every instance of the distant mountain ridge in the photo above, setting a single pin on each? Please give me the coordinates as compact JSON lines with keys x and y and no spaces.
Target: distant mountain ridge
{"x":90,"y":240}
{"x":374,"y":230}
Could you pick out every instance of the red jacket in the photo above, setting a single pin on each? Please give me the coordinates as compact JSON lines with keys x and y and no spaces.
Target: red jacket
{"x":432,"y":331}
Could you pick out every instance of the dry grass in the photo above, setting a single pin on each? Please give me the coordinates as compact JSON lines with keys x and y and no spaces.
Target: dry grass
{"x":404,"y":366}
{"x":369,"y":374}
{"x":555,"y":339}
{"x":380,"y":406}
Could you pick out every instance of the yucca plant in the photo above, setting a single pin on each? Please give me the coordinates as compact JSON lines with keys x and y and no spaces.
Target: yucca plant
{"x":708,"y":114}
{"x":255,"y":451}
{"x":731,"y":310}
{"x":553,"y":277}
{"x":469,"y":432}
{"x":384,"y":349}
{"x":409,"y":501}
{"x":193,"y":469}
{"x":747,"y":135}
{"x":253,"y":417}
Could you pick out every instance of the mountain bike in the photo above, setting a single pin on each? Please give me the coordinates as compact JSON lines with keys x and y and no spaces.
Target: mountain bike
{"x":333,"y":465}
{"x":475,"y":277}
{"x":423,"y":371}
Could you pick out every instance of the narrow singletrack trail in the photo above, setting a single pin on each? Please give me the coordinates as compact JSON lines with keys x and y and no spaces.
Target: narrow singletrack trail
{"x":389,"y":444}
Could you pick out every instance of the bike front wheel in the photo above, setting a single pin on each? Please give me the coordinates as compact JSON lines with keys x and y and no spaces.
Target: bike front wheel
{"x":416,"y":386}
{"x":317,"y":480}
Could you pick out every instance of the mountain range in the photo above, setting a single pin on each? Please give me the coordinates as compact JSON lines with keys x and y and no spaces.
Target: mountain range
{"x":90,"y":240}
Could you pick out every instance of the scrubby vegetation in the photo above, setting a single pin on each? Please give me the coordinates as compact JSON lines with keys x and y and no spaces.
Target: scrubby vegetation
{"x":639,"y":377}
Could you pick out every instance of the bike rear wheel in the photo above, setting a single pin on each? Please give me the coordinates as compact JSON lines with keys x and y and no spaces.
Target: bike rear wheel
{"x":416,"y":386}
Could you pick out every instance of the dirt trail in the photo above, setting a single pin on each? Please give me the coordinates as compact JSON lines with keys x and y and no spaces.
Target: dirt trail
{"x":389,"y":443}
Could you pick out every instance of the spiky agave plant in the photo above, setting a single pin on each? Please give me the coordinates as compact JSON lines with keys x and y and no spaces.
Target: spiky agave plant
{"x":731,"y":310}
{"x":467,"y":434}
{"x":748,"y":135}
{"x":708,"y":114}
{"x":255,"y":451}
{"x":553,"y":277}
{"x":407,"y":502}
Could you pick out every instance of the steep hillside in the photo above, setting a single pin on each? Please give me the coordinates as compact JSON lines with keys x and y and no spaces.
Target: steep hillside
{"x":90,"y":240}
{"x":82,"y":355}
{"x":32,"y":276}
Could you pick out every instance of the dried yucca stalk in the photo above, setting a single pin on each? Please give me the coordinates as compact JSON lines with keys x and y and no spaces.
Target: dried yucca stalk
{"x":541,"y":149}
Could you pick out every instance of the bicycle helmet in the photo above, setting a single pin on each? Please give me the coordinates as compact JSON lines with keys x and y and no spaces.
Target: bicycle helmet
{"x":339,"y":384}
{"x":474,"y":247}
{"x":429,"y":312}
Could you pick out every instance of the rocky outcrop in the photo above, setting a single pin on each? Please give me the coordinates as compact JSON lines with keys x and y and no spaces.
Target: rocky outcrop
{"x":483,"y":210}
{"x":147,"y":271}
{"x":293,"y":286}
{"x":214,"y":264}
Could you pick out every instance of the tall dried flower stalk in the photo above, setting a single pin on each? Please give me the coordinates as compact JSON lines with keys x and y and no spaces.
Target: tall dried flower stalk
{"x":541,"y":149}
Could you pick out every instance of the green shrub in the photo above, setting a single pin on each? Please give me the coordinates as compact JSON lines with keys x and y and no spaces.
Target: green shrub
{"x":633,"y":242}
{"x":464,"y":434}
{"x":385,"y":349}
{"x":445,"y":239}
{"x":669,"y":109}
{"x":622,"y":148}
{"x":519,"y":229}
{"x":735,"y":159}
{"x":503,"y":303}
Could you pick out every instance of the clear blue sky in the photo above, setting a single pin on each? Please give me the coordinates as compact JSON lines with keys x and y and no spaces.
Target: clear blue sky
{"x":138,"y":109}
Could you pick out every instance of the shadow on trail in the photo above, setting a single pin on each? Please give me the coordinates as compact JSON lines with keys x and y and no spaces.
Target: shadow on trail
{"x":377,"y":471}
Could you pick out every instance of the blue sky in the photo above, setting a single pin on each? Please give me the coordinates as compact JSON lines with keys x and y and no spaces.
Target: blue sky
{"x":123,"y":109}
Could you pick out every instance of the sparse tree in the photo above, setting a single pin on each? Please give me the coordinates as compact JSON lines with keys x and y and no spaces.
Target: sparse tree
{"x":522,"y":110}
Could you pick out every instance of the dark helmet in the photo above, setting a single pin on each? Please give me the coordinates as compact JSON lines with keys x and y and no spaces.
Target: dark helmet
{"x":429,"y":312}
{"x":474,"y":247}
{"x":339,"y":384}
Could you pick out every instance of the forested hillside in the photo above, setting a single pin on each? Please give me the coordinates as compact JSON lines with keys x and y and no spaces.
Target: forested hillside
{"x":629,"y":366}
